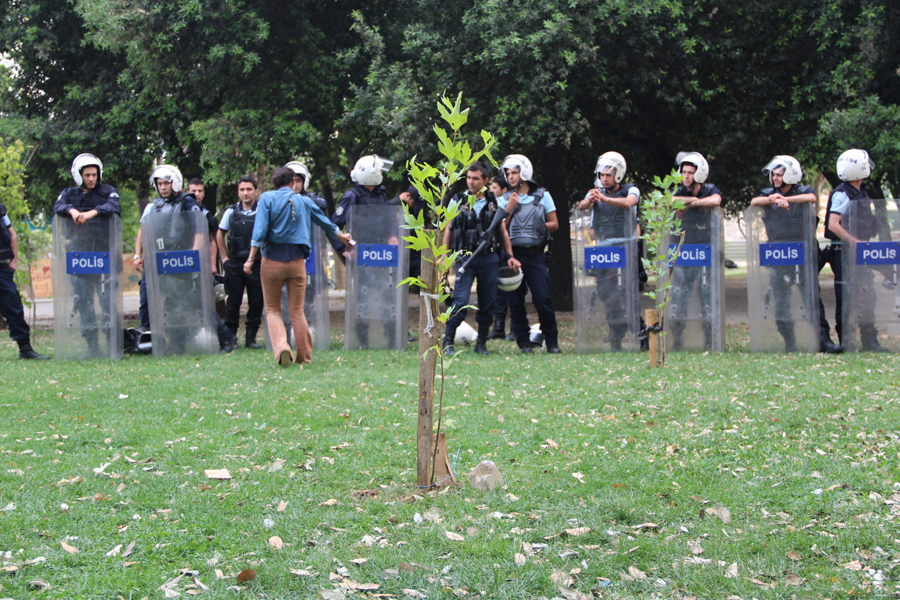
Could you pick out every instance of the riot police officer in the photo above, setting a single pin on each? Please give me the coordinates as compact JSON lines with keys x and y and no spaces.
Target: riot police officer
{"x":852,"y":197}
{"x":531,"y":221}
{"x":699,"y":198}
{"x":237,"y":224}
{"x":783,"y":221}
{"x":10,"y":301}
{"x":90,"y":199}
{"x":465,"y":234}
{"x":613,"y":204}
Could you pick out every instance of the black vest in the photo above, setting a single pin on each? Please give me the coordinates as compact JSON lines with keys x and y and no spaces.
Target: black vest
{"x":785,"y":225}
{"x":467,"y":228}
{"x":608,"y":221}
{"x":6,"y":252}
{"x":241,"y":233}
{"x":866,"y":225}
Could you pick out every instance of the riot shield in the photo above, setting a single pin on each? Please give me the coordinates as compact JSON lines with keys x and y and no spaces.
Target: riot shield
{"x":87,"y":288}
{"x":870,"y":282}
{"x":782,"y":278}
{"x":315,"y":304}
{"x":695,"y":313}
{"x":606,"y":296}
{"x":376,"y":305}
{"x":179,"y":283}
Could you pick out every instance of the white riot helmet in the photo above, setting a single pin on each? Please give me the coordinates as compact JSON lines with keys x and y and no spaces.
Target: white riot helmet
{"x":509,"y":279}
{"x":535,"y":335}
{"x":465,"y":335}
{"x":370,"y":170}
{"x":86,"y":160}
{"x":520,"y":162}
{"x":300,"y":169}
{"x":696,"y":159}
{"x":792,"y":171}
{"x":607,"y":160}
{"x":854,"y":164}
{"x":169,"y":173}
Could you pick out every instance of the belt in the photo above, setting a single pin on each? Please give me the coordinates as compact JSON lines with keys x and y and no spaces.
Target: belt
{"x":528,"y":249}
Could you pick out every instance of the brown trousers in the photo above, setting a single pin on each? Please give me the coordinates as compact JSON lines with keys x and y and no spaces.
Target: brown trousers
{"x":272,"y":275}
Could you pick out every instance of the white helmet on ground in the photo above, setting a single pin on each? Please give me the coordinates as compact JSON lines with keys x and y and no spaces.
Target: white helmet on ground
{"x":607,"y":160}
{"x":300,"y":169}
{"x":509,"y":279}
{"x":86,"y":160}
{"x":465,"y":335}
{"x":370,"y":170}
{"x":520,"y":162}
{"x":854,"y":164}
{"x":792,"y":171}
{"x":535,"y":335}
{"x":696,"y":159}
{"x":168,"y":173}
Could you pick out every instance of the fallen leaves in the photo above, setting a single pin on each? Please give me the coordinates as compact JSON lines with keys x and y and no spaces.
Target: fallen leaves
{"x":276,"y":542}
{"x":68,"y":548}
{"x":717,"y":511}
{"x":246,"y":575}
{"x":454,"y":537}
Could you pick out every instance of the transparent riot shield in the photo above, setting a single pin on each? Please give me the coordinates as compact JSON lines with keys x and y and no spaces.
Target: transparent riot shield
{"x":87,"y":288}
{"x":606,"y":296}
{"x":782,"y":278}
{"x":315,"y":305}
{"x":376,"y":305}
{"x":179,"y":284}
{"x":695,"y":313}
{"x":870,"y":282}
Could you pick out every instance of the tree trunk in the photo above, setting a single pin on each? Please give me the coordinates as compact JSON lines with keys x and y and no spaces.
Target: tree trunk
{"x":560,"y":263}
{"x":427,"y":361}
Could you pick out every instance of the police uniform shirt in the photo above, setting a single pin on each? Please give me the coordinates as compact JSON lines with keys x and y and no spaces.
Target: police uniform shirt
{"x":358,"y":195}
{"x":103,"y":198}
{"x":840,"y":203}
{"x":6,"y":222}
{"x":546,"y":202}
{"x":479,"y":205}
{"x":706,"y":189}
{"x":225,"y":223}
{"x":782,"y":224}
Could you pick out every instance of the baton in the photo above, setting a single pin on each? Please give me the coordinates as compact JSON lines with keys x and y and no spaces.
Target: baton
{"x":501,"y":214}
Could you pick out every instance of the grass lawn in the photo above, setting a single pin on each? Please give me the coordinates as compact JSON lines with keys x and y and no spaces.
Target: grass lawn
{"x":724,"y":475}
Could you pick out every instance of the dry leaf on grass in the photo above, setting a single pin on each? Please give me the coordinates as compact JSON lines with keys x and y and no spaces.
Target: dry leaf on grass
{"x":277,"y":465}
{"x":520,"y":559}
{"x":794,"y":579}
{"x":276,"y":543}
{"x":246,"y":575}
{"x":413,"y":593}
{"x":637,"y":574}
{"x":578,"y":531}
{"x":217,"y":474}
{"x":115,"y":551}
{"x":39,"y":584}
{"x":454,"y":537}
{"x":561,"y":578}
{"x":433,"y":514}
{"x":302,"y":573}
{"x":68,"y":548}
{"x":731,"y":572}
{"x":792,"y":555}
{"x":329,"y":502}
{"x":854,"y":565}
{"x":281,"y":506}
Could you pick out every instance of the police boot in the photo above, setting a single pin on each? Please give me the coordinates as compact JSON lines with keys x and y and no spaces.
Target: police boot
{"x":447,"y":344}
{"x":677,"y":336}
{"x":93,"y":350}
{"x":786,"y":329}
{"x":499,"y":331}
{"x":26,"y":352}
{"x":480,"y":347}
{"x":826,"y":346}
{"x":251,"y":340}
{"x":868,"y":337}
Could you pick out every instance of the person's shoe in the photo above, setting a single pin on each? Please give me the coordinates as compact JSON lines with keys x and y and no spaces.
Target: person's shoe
{"x":480,"y":348}
{"x":496,"y":333}
{"x":511,"y":337}
{"x":285,"y":359}
{"x":829,"y":347}
{"x":874,"y":346}
{"x":410,"y":337}
{"x":449,"y":351}
{"x":252,"y":345}
{"x":228,"y":345}
{"x":526,"y":349}
{"x":26,"y":352}
{"x":553,"y":349}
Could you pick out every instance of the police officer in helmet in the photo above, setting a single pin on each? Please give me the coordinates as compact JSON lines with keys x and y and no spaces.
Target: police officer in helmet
{"x":90,"y":199}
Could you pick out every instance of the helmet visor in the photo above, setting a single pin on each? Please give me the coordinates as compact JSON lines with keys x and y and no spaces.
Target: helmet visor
{"x":775,"y":163}
{"x":383,"y":164}
{"x":605,"y":164}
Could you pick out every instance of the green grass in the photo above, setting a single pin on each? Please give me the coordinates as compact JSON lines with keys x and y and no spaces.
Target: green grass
{"x":802,"y":450}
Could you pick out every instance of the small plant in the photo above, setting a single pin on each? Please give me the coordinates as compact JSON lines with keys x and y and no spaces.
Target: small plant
{"x":434,"y":184}
{"x":661,"y":219}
